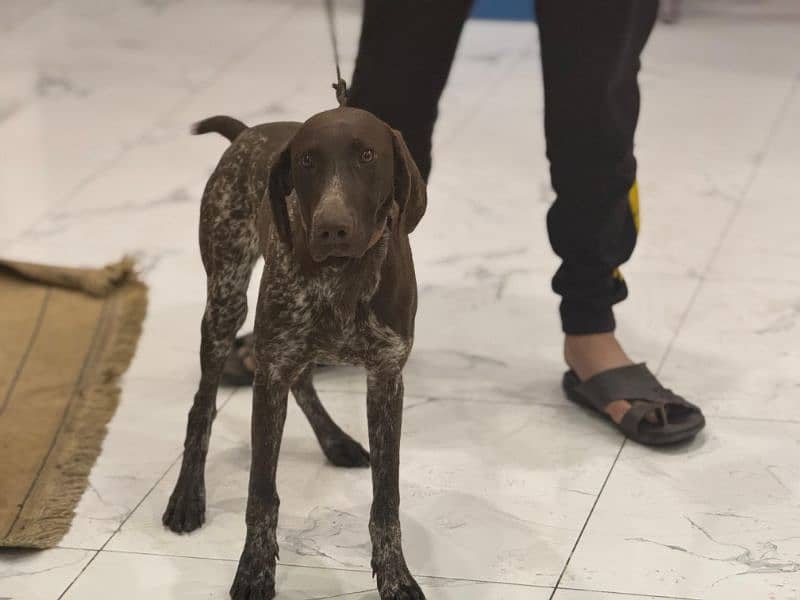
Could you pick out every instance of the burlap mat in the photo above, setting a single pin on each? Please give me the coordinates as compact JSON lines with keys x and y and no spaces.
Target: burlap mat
{"x":66,"y":335}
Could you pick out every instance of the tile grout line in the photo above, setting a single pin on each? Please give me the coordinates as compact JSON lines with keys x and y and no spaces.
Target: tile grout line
{"x":783,"y":109}
{"x":635,"y":595}
{"x":320,"y":568}
{"x":588,"y":518}
{"x":234,"y":58}
{"x":125,"y":520}
{"x":343,"y":595}
{"x":134,"y":509}
{"x":758,"y":419}
{"x":531,"y":403}
{"x":704,"y":276}
{"x":684,"y":316}
{"x":366,"y":570}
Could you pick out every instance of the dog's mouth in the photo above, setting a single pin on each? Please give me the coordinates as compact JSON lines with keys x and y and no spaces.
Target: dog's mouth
{"x":343,"y":251}
{"x":334,"y":252}
{"x":338,"y":252}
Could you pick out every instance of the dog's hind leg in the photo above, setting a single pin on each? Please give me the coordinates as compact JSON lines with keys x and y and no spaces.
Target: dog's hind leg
{"x":229,"y":252}
{"x":338,"y":447}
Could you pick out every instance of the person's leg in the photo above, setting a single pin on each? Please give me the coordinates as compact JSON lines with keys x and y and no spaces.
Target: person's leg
{"x":404,"y":58}
{"x":590,"y":60}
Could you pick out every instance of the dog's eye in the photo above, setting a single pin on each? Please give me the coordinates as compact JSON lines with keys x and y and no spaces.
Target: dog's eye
{"x":368,"y":155}
{"x":306,"y":161}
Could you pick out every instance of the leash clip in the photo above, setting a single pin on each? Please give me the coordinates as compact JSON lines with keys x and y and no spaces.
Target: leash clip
{"x":341,"y":90}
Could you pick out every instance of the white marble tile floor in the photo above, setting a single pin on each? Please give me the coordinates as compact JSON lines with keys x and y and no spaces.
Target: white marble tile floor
{"x":509,"y":492}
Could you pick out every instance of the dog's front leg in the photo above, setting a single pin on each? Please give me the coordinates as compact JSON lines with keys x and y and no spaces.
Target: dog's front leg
{"x":385,"y":415}
{"x":255,"y":577}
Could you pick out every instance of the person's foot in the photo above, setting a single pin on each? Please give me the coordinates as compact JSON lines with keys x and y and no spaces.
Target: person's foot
{"x":240,"y":366}
{"x":591,"y":354}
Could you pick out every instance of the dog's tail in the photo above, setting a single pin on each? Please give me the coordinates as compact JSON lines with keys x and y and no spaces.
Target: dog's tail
{"x":227,"y":126}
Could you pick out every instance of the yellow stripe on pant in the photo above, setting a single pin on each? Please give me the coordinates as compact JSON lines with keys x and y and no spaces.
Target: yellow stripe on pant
{"x":633,"y":204}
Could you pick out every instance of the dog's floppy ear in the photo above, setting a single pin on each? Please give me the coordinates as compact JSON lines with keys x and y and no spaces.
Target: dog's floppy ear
{"x":409,"y":187}
{"x":280,"y":185}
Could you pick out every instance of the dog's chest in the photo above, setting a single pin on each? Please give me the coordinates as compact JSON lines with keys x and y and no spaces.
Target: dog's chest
{"x":338,"y":325}
{"x":327,"y":316}
{"x":333,"y":341}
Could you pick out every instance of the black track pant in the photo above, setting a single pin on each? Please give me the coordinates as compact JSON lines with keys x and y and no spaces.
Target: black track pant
{"x":590,"y":58}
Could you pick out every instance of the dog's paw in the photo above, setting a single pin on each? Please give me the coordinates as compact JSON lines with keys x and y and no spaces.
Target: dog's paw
{"x":396,"y":583}
{"x":406,"y":591}
{"x":255,"y":578}
{"x":245,"y":588}
{"x":186,"y":510}
{"x":344,"y":451}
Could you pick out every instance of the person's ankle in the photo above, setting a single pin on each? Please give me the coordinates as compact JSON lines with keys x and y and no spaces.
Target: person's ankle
{"x":591,"y":354}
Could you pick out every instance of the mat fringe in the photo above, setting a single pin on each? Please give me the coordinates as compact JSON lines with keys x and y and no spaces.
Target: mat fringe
{"x":95,"y":282}
{"x":87,"y":425}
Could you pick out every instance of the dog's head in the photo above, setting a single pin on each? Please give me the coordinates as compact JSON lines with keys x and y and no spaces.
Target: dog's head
{"x":353,"y":176}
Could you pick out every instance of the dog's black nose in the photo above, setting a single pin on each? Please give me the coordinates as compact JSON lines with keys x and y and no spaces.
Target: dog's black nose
{"x":334,"y":230}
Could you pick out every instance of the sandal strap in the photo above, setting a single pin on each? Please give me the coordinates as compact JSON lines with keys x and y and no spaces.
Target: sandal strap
{"x":631,"y":382}
{"x":637,"y":385}
{"x":632,"y":419}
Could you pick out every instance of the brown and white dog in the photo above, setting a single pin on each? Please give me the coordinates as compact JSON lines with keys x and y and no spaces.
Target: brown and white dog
{"x":329,"y":204}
